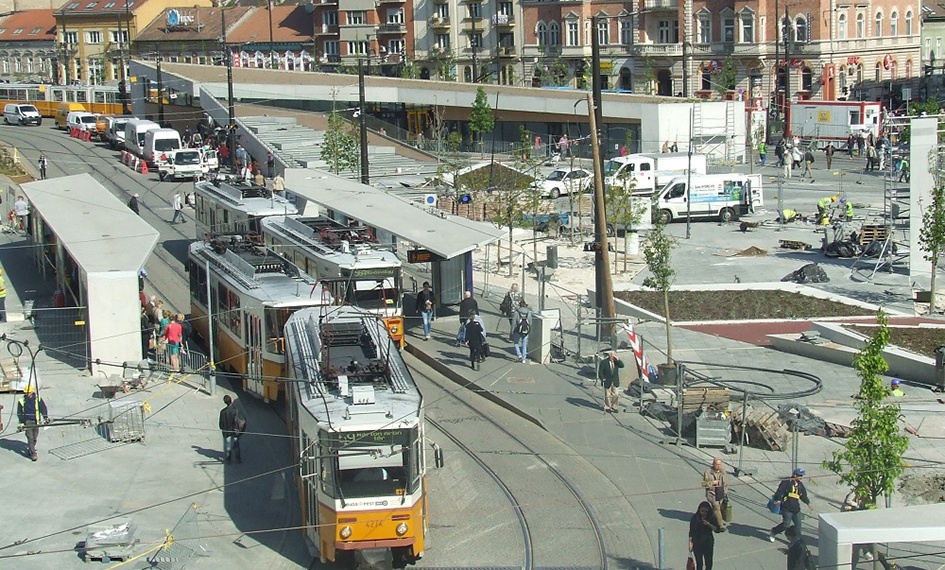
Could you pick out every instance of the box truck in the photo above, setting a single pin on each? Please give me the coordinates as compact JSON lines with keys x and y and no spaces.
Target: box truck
{"x":825,"y":121}
{"x":724,"y":197}
{"x":158,"y":141}
{"x":650,"y":172}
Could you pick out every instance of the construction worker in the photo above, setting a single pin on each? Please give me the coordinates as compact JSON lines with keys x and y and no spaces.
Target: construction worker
{"x":894,"y":390}
{"x":31,"y":413}
{"x":823,"y":207}
{"x":847,"y":209}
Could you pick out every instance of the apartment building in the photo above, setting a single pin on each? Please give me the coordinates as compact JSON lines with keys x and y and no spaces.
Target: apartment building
{"x":28,"y":47}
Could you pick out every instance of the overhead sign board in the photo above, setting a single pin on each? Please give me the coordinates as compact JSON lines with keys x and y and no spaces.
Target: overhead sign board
{"x":423,"y":256}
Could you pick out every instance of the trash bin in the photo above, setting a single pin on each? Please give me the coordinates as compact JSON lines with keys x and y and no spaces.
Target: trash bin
{"x":551,"y":254}
{"x":940,"y":367}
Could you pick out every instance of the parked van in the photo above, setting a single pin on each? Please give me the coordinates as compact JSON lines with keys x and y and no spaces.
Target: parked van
{"x":157,"y":141}
{"x":81,"y":120}
{"x":650,"y":172}
{"x":21,"y":114}
{"x":135,"y":130}
{"x":63,"y":110}
{"x":184,"y":163}
{"x":720,"y":196}
{"x":115,"y":131}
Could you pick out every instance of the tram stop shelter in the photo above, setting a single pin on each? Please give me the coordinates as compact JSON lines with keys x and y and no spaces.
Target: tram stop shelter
{"x":838,"y":532}
{"x":95,"y":247}
{"x":447,"y":241}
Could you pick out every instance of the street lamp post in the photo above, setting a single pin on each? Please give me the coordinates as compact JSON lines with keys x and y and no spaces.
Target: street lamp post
{"x":160,"y":92}
{"x":231,"y":109}
{"x":272,"y":51}
{"x":754,"y":81}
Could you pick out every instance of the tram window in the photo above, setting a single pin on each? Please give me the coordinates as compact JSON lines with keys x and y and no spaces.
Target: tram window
{"x":374,"y":294}
{"x":230,"y":309}
{"x":81,"y":96}
{"x":381,"y":479}
{"x":198,"y":283}
{"x":275,"y":323}
{"x":59,"y":95}
{"x":99,"y":96}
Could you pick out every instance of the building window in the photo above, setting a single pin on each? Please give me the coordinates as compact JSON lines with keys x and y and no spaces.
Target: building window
{"x":894,"y":71}
{"x":357,"y":48}
{"x":395,"y":16}
{"x":807,"y":79}
{"x":938,"y":47}
{"x":705,"y":29}
{"x":442,"y":11}
{"x":72,"y":6}
{"x":859,"y":73}
{"x":17,"y":31}
{"x":908,"y":69}
{"x":330,"y":18}
{"x":860,"y":25}
{"x":574,"y":36}
{"x":356,"y":18}
{"x":748,"y":28}
{"x":332,"y":47}
{"x":396,"y":47}
{"x":928,"y":48}
{"x":603,"y":32}
{"x":728,"y":29}
{"x":554,"y":34}
{"x":908,"y":22}
{"x":505,"y":8}
{"x":663,"y":32}
{"x":442,"y":41}
{"x":626,"y":32}
{"x":541,"y":32}
{"x":801,"y":30}
{"x":475,"y":40}
{"x":475,"y":10}
{"x":879,"y":25}
{"x":894,"y":24}
{"x":93,"y":37}
{"x":36,"y":31}
{"x":119,"y":37}
{"x":842,"y":27}
{"x":70,"y":38}
{"x":706,"y":81}
{"x":29,"y":65}
{"x":879,"y":72}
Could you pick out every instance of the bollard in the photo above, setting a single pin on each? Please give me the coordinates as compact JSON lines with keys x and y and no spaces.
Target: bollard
{"x":213,"y":379}
{"x":660,"y":552}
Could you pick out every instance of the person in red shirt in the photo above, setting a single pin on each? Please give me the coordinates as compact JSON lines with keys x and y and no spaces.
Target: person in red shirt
{"x":172,"y":334}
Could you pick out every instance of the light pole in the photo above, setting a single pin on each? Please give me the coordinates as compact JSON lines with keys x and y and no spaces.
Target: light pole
{"x":754,"y":81}
{"x":272,"y":51}
{"x":362,"y":126}
{"x":231,"y":127}
{"x":123,"y":85}
{"x":160,"y":93}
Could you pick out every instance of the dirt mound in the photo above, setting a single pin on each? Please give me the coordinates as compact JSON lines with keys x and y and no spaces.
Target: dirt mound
{"x":751,"y":252}
{"x":923,"y":487}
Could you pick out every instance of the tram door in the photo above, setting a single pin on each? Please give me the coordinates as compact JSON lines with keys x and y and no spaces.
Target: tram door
{"x":254,"y":356}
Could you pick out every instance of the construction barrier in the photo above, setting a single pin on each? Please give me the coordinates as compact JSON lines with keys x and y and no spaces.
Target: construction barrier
{"x":72,"y":132}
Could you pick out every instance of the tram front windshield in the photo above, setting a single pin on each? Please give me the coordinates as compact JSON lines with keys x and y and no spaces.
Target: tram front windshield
{"x":374,"y":294}
{"x":372,"y":472}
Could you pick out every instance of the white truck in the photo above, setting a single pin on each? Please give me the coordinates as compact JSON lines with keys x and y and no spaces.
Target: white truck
{"x":159,"y":141}
{"x":185,"y":163}
{"x":724,"y":197}
{"x":650,"y":172}
{"x":825,"y":121}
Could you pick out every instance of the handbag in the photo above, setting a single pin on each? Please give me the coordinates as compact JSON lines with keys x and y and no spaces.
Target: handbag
{"x":774,"y":506}
{"x":485,"y":349}
{"x":690,"y":563}
{"x":727,"y":510}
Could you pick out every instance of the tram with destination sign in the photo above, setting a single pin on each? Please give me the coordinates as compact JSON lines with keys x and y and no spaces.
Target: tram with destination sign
{"x":358,"y":424}
{"x":250,"y":292}
{"x":97,"y":99}
{"x":348,"y":259}
{"x":225,"y":205}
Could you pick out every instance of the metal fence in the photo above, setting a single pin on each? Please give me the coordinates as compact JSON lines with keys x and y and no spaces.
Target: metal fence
{"x":63,"y":333}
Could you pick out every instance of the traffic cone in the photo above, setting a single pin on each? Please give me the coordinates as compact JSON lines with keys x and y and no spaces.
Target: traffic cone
{"x":87,"y":136}
{"x":123,"y":157}
{"x":144,"y":167}
{"x":72,"y":132}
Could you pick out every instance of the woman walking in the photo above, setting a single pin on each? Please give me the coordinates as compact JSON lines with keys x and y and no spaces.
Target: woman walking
{"x":702,"y":527}
{"x":475,"y":338}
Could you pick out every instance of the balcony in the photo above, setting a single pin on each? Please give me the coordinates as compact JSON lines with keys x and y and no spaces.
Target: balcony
{"x":508,"y":51}
{"x":660,"y":5}
{"x":473,"y":25}
{"x":657,"y":50}
{"x":440,"y":22}
{"x":392,"y":28}
{"x":391,"y":1}
{"x":325,"y":30}
{"x":441,"y":1}
{"x":503,"y":20}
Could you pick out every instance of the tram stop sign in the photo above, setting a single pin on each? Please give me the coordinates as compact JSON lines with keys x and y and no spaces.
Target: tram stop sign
{"x":423,"y":256}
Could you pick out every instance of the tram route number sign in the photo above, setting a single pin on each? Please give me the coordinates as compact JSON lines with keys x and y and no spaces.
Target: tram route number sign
{"x":371,"y":437}
{"x":423,"y":256}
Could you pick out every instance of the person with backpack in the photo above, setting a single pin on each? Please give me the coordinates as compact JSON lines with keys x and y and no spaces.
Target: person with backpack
{"x":790,"y":494}
{"x":233,"y":425}
{"x":508,"y":305}
{"x":523,"y":325}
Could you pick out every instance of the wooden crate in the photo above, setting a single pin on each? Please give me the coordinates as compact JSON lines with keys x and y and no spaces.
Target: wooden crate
{"x":871,"y":233}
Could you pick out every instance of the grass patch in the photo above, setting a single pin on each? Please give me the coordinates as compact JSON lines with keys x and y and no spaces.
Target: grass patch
{"x":740,"y":305}
{"x":920,"y":340}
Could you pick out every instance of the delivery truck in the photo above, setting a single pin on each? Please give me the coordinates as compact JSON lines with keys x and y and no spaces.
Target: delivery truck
{"x":650,"y":172}
{"x":724,"y":197}
{"x":825,"y":121}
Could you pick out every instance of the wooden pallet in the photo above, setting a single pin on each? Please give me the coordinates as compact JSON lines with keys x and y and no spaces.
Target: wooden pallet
{"x":764,"y":430}
{"x":711,"y":399}
{"x":871,"y":233}
{"x":793,"y":244}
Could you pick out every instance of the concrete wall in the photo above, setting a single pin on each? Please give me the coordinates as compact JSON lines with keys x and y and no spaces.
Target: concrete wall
{"x":114,"y":319}
{"x":923,"y":141}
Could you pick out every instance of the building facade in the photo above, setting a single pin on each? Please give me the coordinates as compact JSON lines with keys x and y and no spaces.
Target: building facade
{"x":190,"y":35}
{"x":94,"y":36}
{"x":28,"y":47}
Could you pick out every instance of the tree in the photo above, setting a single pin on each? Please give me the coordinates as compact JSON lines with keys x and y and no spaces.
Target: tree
{"x":659,"y":248}
{"x":727,"y":78}
{"x":340,"y":147}
{"x":871,"y":458}
{"x":481,"y":117}
{"x":509,"y":201}
{"x":622,"y":210}
{"x":409,"y":69}
{"x":932,"y":232}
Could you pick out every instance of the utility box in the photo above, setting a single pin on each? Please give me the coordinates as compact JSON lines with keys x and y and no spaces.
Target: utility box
{"x":713,"y":430}
{"x":540,"y":335}
{"x":940,"y":367}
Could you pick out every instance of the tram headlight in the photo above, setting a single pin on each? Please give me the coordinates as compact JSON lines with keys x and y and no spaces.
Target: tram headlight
{"x":401,"y":529}
{"x":345,"y":532}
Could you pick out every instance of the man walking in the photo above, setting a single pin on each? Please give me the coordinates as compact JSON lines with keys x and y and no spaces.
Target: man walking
{"x":43,"y":163}
{"x":133,"y":204}
{"x":762,"y":152}
{"x":609,"y":373}
{"x":31,"y":413}
{"x":808,"y":161}
{"x":523,"y":325}
{"x":178,"y":202}
{"x":790,"y":494}
{"x":716,"y":489}
{"x":21,"y":209}
{"x":232,"y":424}
{"x":271,"y":165}
{"x":509,"y":303}
{"x":468,"y":306}
{"x":424,"y":306}
{"x":278,"y":184}
{"x":828,"y":152}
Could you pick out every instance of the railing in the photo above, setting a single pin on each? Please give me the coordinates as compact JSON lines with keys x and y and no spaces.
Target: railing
{"x":503,"y":20}
{"x":440,"y":21}
{"x":392,"y":28}
{"x":660,"y":4}
{"x":657,"y":49}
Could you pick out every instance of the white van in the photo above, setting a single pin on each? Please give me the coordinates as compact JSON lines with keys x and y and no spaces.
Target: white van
{"x":135,"y":130}
{"x":115,"y":131}
{"x":81,"y":120}
{"x":184,"y":163}
{"x":721,"y":196}
{"x":650,"y":172}
{"x":21,"y":114}
{"x":157,"y":141}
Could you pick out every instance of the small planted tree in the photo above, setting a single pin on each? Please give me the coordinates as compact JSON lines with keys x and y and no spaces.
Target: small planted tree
{"x":509,"y":204}
{"x":340,"y":147}
{"x":932,"y":232}
{"x":481,"y":117}
{"x":658,"y":250}
{"x":871,"y":459}
{"x":727,"y":78}
{"x":623,"y":210}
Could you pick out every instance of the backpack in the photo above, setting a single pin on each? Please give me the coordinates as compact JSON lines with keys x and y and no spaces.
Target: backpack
{"x":506,"y":305}
{"x":522,"y":328}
